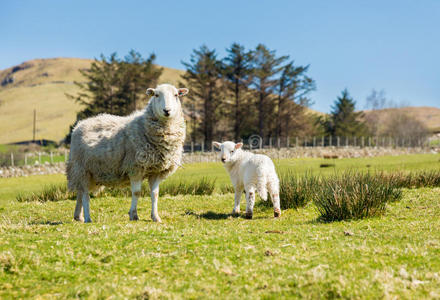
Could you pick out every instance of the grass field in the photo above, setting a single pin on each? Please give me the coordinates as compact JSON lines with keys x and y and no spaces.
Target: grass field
{"x":201,"y":251}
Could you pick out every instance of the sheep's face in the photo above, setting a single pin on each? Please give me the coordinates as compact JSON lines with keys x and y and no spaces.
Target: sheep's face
{"x":166,"y":100}
{"x":228,"y":151}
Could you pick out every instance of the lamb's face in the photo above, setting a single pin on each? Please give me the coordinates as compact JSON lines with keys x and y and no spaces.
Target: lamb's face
{"x":228,"y":151}
{"x":166,"y":100}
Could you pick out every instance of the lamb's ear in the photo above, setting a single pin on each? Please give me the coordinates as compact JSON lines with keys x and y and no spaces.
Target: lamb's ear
{"x":217,"y":145}
{"x":238,"y":145}
{"x":182,"y":92}
{"x":151,"y":92}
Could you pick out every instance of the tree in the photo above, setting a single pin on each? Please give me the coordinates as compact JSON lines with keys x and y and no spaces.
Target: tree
{"x":344,"y":121}
{"x":203,"y":77}
{"x":266,"y":65}
{"x":293,"y":87}
{"x":115,"y":86}
{"x":237,"y":71}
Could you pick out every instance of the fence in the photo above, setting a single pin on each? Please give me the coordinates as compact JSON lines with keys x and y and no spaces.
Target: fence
{"x":254,"y":142}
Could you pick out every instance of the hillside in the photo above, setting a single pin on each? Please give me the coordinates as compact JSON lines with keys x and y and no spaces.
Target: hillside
{"x":41,"y":84}
{"x":430,"y":116}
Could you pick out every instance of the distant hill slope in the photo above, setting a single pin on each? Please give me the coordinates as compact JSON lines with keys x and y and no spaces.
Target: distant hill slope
{"x":430,"y":116}
{"x":41,"y":84}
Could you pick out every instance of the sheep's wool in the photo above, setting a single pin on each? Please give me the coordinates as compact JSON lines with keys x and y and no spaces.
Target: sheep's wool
{"x":108,"y":150}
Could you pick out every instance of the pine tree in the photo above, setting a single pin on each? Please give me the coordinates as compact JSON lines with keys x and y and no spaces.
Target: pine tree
{"x":266,"y":66}
{"x":237,"y":70}
{"x":293,"y":87}
{"x":203,"y":78}
{"x":344,"y":121}
{"x":115,"y":86}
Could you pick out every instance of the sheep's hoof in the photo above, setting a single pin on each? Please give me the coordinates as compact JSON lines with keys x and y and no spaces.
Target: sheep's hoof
{"x":133,"y":216}
{"x":277,"y":213}
{"x":235,"y":213}
{"x":157,"y":219}
{"x":248,"y":216}
{"x":78,"y":218}
{"x":88,"y":221}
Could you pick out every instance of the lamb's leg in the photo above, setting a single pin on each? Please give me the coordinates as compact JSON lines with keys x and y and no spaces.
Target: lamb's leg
{"x":78,"y":214}
{"x":136,"y":186}
{"x":154,"y":187}
{"x":238,"y":192}
{"x":250,"y":201}
{"x":276,"y":204}
{"x":85,"y":203}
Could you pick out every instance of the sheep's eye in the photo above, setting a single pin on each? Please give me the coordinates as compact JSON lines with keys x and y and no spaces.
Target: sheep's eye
{"x":232,"y":151}
{"x":175,"y":95}
{"x":156,"y":95}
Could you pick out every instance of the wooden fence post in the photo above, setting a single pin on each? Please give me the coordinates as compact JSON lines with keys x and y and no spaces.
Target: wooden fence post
{"x":296,"y":142}
{"x":287,"y":142}
{"x":39,"y":158}
{"x":12,"y":159}
{"x":51,"y":157}
{"x":25,"y":159}
{"x":192,"y":147}
{"x":337,"y":141}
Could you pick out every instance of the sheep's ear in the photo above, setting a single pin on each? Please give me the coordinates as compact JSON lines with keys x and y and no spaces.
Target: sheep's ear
{"x":238,"y":145}
{"x":182,"y":92}
{"x":151,"y":92}
{"x":217,"y":145}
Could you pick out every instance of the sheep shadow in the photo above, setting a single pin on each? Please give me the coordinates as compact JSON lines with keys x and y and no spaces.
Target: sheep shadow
{"x":209,"y":215}
{"x":50,"y":223}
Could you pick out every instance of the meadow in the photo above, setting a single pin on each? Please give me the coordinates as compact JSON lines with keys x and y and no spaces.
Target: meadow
{"x":201,"y":251}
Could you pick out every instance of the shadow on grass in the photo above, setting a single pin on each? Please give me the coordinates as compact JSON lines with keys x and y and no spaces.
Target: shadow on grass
{"x":51,"y":223}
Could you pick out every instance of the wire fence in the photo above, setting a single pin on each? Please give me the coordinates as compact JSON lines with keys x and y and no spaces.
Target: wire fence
{"x":254,"y":142}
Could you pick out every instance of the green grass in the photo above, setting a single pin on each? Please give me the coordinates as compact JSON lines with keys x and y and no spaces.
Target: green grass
{"x":201,"y":251}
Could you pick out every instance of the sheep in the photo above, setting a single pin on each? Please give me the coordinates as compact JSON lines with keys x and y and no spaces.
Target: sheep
{"x":250,"y":172}
{"x":109,"y":150}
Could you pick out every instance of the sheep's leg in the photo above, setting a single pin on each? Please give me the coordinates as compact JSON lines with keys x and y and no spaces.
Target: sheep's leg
{"x":276,"y":204}
{"x":154,"y":187}
{"x":78,"y":214}
{"x":85,"y":203}
{"x":250,"y":201}
{"x":238,"y":192}
{"x":136,"y":186}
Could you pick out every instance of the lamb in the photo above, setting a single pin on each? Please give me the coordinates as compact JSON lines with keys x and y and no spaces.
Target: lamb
{"x":250,"y":172}
{"x":112,"y":151}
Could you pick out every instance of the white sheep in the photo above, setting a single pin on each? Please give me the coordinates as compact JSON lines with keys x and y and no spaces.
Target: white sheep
{"x":111,"y":150}
{"x":250,"y":172}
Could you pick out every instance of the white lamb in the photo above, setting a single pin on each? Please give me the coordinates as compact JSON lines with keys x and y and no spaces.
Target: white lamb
{"x":250,"y":172}
{"x":111,"y":150}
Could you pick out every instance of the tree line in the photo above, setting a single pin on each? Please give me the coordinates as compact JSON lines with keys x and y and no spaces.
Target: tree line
{"x":249,"y":91}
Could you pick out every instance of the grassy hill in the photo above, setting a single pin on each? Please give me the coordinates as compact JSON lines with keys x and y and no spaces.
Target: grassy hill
{"x":430,"y":116}
{"x":41,"y":84}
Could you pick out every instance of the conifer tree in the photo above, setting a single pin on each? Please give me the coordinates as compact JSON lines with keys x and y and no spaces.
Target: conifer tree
{"x":237,"y":71}
{"x":344,"y":121}
{"x":203,"y":78}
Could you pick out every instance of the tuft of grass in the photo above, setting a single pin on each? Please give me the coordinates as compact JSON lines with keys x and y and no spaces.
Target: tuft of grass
{"x":354,"y":196}
{"x":226,"y":189}
{"x":58,"y":192}
{"x":52,"y":192}
{"x":295,"y":191}
{"x":203,"y":186}
{"x":418,"y":179}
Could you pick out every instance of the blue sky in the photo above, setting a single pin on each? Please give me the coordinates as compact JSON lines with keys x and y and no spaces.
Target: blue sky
{"x":359,"y":45}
